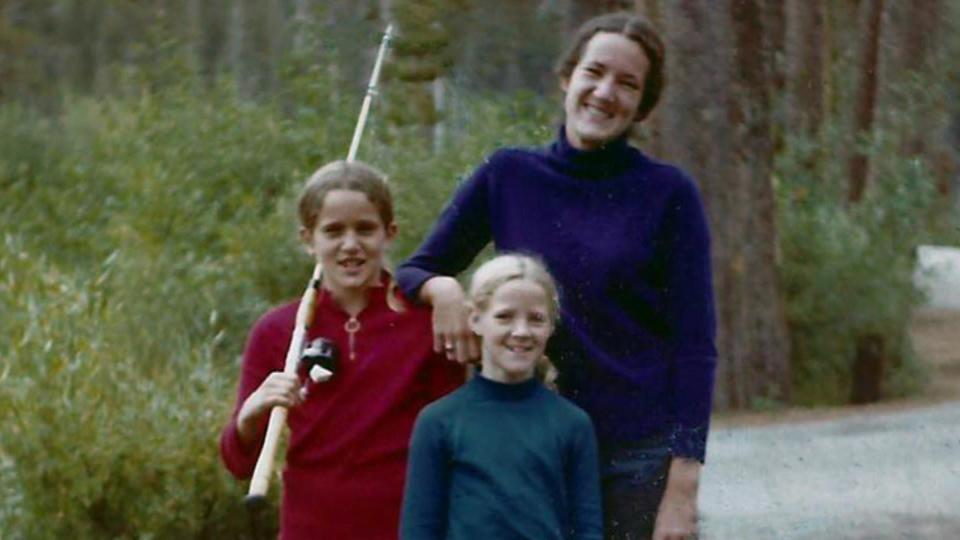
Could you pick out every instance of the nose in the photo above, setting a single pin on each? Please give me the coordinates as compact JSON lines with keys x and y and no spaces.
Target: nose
{"x":605,"y":88}
{"x":520,"y":328}
{"x":350,"y":242}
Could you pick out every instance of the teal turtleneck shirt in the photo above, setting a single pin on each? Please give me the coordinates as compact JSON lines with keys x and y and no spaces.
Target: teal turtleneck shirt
{"x":502,"y":461}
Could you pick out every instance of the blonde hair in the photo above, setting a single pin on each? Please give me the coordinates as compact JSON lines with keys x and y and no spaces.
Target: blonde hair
{"x":509,"y":267}
{"x":350,"y":176}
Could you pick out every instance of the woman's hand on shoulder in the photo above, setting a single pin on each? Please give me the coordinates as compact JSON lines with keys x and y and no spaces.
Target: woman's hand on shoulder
{"x":451,"y":328}
{"x":278,"y":389}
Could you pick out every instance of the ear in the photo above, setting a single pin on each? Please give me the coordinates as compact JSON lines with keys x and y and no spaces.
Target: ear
{"x":306,"y":237}
{"x":564,"y":84}
{"x":391,"y":232}
{"x":473,"y":320}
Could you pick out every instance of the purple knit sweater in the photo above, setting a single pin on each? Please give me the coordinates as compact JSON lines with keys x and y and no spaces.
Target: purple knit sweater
{"x":626,"y":238}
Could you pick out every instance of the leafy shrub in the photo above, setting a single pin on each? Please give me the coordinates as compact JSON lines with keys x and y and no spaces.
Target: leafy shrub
{"x":144,"y":233}
{"x":846,"y":269}
{"x":108,"y":424}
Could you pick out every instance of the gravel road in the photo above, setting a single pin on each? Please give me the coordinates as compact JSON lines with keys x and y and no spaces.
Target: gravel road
{"x":887,"y":476}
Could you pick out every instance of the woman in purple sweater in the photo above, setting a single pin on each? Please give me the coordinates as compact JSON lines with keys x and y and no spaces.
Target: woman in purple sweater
{"x":626,"y":238}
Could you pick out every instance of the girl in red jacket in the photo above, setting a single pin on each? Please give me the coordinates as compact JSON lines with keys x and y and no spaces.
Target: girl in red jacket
{"x":345,"y":463}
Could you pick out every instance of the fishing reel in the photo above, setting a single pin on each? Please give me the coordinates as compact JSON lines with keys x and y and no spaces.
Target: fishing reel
{"x":319,"y":360}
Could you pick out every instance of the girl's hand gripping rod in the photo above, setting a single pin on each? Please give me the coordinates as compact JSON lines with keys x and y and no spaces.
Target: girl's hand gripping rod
{"x":278,"y":415}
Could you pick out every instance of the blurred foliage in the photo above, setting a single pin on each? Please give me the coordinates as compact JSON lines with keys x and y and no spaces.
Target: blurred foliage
{"x":146,"y":228}
{"x":143,"y":235}
{"x":846,"y":269}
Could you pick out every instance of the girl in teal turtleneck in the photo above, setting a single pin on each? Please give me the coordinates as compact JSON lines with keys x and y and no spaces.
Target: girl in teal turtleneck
{"x":504,"y":457}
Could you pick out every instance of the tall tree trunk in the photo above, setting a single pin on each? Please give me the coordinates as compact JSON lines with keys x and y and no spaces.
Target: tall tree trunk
{"x":916,"y":48}
{"x":255,"y":44}
{"x":717,"y":125}
{"x":805,"y":66}
{"x":870,"y":358}
{"x":214,"y":27}
{"x":917,"y":44}
{"x":421,"y":58}
{"x":84,"y":29}
{"x":302,"y":16}
{"x":580,"y":10}
{"x":237,"y":36}
{"x":648,"y":136}
{"x":774,"y":22}
{"x":866,"y":97}
{"x":275,"y":29}
{"x":649,"y":9}
{"x":760,"y":355}
{"x":843,"y":38}
{"x":920,"y":28}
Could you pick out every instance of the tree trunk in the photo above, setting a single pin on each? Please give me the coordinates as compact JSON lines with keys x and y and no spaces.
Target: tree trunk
{"x":421,"y":58}
{"x":916,"y":48}
{"x":868,"y":367}
{"x":774,"y":23}
{"x":579,"y":11}
{"x":716,"y":116}
{"x":302,"y":16}
{"x":866,"y":98}
{"x":805,"y":66}
{"x":920,"y":25}
{"x":237,"y":36}
{"x":649,"y":9}
{"x":213,"y":26}
{"x":84,"y":29}
{"x":647,"y":137}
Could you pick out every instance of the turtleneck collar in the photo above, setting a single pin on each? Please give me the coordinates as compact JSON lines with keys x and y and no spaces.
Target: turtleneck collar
{"x":376,"y":296}
{"x":504,"y":391}
{"x":608,"y":160}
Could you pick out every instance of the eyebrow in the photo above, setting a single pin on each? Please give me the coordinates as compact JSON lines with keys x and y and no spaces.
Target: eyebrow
{"x":598,"y":63}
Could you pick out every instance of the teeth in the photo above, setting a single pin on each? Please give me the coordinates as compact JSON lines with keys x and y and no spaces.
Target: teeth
{"x":597,"y":111}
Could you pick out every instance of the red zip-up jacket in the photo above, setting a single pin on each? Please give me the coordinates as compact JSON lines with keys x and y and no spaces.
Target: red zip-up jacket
{"x":346,"y":460}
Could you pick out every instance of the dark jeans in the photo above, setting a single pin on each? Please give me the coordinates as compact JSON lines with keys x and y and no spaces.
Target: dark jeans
{"x":633,"y":477}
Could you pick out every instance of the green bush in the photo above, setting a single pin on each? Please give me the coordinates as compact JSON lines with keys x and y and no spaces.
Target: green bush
{"x":846,"y":269}
{"x":144,"y":234}
{"x":108,"y":421}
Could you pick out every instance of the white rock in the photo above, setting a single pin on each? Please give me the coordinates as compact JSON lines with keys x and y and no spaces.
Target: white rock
{"x":938,"y":275}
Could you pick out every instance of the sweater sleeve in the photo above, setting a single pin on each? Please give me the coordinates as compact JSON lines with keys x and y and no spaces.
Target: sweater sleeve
{"x":264,"y":353}
{"x":425,"y":496}
{"x":462,"y":230}
{"x":583,"y":484}
{"x":692,"y":321}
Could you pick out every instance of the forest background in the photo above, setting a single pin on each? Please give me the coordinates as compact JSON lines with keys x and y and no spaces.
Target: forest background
{"x":150,"y":153}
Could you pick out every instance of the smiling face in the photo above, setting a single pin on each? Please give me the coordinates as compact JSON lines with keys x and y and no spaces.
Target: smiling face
{"x":604,"y":90}
{"x":349,"y":240}
{"x":513,"y":328}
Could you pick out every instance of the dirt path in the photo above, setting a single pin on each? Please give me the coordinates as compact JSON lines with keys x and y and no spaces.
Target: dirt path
{"x":876,"y":476}
{"x":936,"y":340}
{"x":880,"y":472}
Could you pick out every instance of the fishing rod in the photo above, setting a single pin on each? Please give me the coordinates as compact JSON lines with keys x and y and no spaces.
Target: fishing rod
{"x":278,"y":415}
